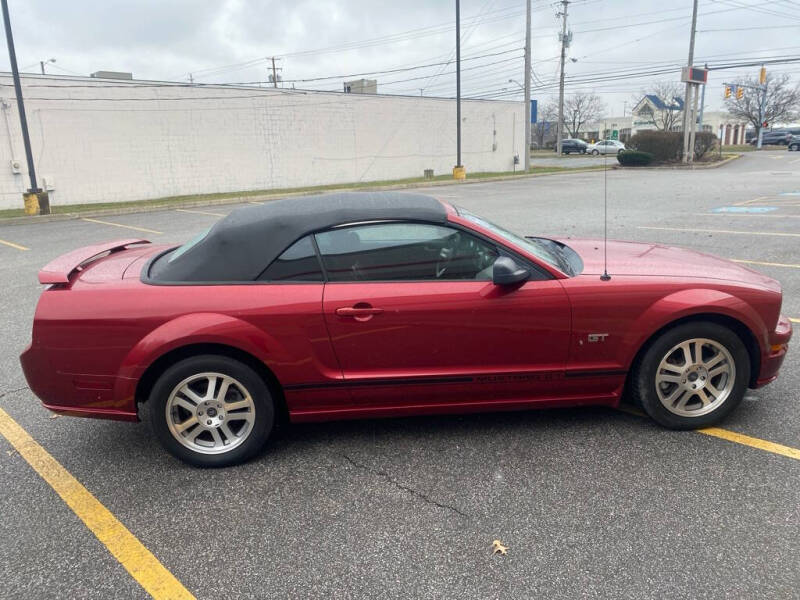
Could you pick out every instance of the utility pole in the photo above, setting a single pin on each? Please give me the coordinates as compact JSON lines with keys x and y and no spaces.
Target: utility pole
{"x":688,"y":90}
{"x":458,"y":171}
{"x":274,"y":74}
{"x":35,"y":200}
{"x":41,"y":66}
{"x":527,"y":111}
{"x":762,"y":107}
{"x":564,"y":44}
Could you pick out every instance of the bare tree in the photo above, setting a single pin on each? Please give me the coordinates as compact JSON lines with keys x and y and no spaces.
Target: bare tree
{"x":782,"y":101}
{"x":581,"y":108}
{"x":670,"y":94}
{"x":545,"y":127}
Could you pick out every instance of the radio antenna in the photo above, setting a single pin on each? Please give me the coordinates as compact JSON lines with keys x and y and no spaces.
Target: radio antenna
{"x":605,"y":276}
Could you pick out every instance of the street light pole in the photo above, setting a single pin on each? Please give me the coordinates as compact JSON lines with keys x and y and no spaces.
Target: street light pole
{"x":527,"y":111}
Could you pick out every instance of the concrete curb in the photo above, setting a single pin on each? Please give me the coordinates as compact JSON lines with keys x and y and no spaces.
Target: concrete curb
{"x":692,"y":167}
{"x":129,"y":210}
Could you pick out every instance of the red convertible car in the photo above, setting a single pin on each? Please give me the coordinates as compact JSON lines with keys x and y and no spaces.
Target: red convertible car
{"x":367,"y":305}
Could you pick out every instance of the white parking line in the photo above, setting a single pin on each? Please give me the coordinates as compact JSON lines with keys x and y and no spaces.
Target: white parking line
{"x":727,"y":214}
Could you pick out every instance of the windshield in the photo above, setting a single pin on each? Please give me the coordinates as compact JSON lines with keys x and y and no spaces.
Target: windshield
{"x":547,"y":250}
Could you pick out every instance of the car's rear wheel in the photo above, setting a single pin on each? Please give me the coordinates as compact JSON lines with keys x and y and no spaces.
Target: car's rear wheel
{"x":692,"y":375}
{"x":211,"y":411}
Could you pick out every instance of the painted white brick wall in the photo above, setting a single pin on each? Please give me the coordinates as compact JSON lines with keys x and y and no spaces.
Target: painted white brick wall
{"x":112,"y":141}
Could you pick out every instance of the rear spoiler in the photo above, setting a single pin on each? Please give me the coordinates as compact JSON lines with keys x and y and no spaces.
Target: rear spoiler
{"x":59,"y":270}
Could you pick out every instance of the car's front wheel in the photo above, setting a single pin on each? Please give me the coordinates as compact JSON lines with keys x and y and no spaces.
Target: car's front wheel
{"x":211,"y":411}
{"x":692,"y":376}
{"x":595,"y":152}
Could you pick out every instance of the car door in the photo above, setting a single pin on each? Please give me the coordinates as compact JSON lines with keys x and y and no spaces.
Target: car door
{"x":416,"y":321}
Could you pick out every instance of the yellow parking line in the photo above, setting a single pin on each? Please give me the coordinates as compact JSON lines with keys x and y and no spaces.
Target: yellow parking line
{"x":793,"y":320}
{"x":751,"y":201}
{"x":775,"y":233}
{"x":200,"y":212}
{"x":746,"y":440}
{"x":766,"y":264}
{"x":145,"y":229}
{"x":126,"y":548}
{"x":13,"y":245}
{"x":732,"y":436}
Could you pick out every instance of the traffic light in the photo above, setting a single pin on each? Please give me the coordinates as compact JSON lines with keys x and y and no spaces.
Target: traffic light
{"x":727,"y":91}
{"x":765,"y":124}
{"x":739,"y":93}
{"x":762,"y":76}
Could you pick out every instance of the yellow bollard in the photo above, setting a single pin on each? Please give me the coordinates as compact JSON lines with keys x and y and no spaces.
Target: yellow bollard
{"x":31,"y":203}
{"x":459,"y":173}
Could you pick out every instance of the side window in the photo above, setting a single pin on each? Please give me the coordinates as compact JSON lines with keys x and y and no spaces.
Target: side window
{"x":404,"y":252}
{"x":297,"y":263}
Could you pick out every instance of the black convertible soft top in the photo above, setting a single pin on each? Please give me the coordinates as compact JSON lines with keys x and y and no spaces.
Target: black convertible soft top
{"x":240,"y":246}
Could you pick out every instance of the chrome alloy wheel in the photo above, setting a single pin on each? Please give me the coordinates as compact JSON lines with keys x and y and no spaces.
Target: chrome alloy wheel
{"x":695,"y":377}
{"x":210,"y":413}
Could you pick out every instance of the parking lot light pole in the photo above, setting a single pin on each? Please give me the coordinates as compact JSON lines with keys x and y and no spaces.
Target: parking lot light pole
{"x":458,"y":171}
{"x":35,"y":200}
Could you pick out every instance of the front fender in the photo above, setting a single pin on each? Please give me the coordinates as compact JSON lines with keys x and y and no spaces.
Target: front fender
{"x":688,"y":303}
{"x":195,"y":328}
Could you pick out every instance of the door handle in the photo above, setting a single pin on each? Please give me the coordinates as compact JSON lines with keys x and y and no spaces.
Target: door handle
{"x":360,"y":312}
{"x":353,"y":311}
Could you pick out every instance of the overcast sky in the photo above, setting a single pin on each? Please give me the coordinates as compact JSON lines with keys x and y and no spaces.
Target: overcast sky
{"x":231,"y":40}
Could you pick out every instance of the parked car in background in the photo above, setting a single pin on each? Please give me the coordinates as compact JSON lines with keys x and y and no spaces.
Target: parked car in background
{"x":777,"y":137}
{"x":606,"y":147}
{"x":571,"y":145}
{"x":794,"y":143}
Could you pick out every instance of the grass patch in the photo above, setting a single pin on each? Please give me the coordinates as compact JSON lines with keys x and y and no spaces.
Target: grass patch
{"x":195,"y":199}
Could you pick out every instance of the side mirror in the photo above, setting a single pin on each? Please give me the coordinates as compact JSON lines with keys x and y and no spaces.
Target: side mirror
{"x":507,"y":272}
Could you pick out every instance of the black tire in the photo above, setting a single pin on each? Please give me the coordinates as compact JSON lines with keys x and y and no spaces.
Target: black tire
{"x":643,"y":382}
{"x":595,"y":152}
{"x":254,"y":385}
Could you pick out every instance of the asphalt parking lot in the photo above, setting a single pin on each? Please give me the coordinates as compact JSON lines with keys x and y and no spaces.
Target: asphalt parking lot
{"x":592,"y":503}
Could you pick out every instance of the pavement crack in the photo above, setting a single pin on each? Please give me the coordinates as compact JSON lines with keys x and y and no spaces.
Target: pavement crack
{"x":401,"y":486}
{"x":11,"y":392}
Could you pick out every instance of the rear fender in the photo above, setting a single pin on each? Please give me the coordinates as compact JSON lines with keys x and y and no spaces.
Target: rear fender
{"x":196,"y":328}
{"x":688,"y":303}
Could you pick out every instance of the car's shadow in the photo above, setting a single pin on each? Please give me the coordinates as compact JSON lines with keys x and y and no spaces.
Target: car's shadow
{"x":290,"y":441}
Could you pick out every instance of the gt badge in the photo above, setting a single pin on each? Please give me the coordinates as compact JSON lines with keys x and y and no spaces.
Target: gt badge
{"x":597,"y":337}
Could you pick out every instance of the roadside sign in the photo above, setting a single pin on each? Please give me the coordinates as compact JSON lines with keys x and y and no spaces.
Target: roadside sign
{"x":615,"y":134}
{"x":694,"y":75}
{"x":534,"y":110}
